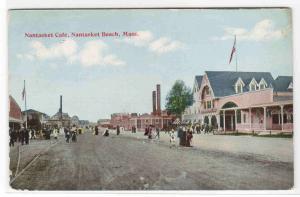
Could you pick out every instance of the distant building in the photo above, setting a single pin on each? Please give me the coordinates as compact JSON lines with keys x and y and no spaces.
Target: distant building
{"x":242,"y":101}
{"x":104,"y":123}
{"x":121,"y":120}
{"x":35,"y":119}
{"x":162,"y":121}
{"x":60,"y":119}
{"x":158,"y":118}
{"x":15,"y":114}
{"x":75,"y":120}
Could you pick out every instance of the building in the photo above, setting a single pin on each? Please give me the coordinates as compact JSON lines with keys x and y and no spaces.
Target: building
{"x":75,"y":120}
{"x":59,"y":119}
{"x":15,"y":114}
{"x":157,"y":118}
{"x":121,"y":120}
{"x":242,"y":101}
{"x":162,"y":121}
{"x":35,"y":119}
{"x":104,"y":123}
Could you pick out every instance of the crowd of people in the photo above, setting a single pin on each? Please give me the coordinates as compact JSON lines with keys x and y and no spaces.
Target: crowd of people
{"x":23,"y":135}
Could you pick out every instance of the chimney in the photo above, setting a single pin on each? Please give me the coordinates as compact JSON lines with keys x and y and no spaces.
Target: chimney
{"x":154,"y":102}
{"x":158,"y":111}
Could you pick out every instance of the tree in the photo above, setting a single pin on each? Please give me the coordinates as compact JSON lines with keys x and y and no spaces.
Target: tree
{"x":178,"y":98}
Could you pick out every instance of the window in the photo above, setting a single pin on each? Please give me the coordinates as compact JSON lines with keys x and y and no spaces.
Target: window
{"x":244,"y":118}
{"x":262,"y":84}
{"x":239,"y":84}
{"x":209,"y":104}
{"x":253,"y":85}
{"x":239,"y":88}
{"x":207,"y":91}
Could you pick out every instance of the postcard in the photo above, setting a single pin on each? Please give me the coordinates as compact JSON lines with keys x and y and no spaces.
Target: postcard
{"x":150,"y":99}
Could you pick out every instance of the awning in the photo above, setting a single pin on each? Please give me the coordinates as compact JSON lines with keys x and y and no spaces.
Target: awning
{"x":15,"y":120}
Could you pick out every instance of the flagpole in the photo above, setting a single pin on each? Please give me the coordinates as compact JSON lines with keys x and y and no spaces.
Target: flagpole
{"x":25,"y":104}
{"x":235,"y":54}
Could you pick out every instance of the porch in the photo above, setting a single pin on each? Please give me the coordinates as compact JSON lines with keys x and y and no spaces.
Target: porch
{"x":274,"y":117}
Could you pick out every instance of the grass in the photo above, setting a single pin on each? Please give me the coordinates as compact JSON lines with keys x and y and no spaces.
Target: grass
{"x":272,"y":135}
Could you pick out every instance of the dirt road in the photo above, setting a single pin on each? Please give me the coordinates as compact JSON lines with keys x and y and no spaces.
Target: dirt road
{"x":125,"y":163}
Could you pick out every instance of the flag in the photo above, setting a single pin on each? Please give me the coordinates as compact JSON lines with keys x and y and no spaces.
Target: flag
{"x":233,"y":50}
{"x":23,"y":92}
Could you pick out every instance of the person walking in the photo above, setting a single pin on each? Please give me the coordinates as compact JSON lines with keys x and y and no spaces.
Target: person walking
{"x":67,"y":135}
{"x":172,"y":139}
{"x":96,"y":130}
{"x":12,"y":135}
{"x":118,"y":130}
{"x":189,"y":138}
{"x":74,"y":133}
{"x":157,"y":133}
{"x":26,"y":136}
{"x":55,"y":133}
{"x":32,"y":132}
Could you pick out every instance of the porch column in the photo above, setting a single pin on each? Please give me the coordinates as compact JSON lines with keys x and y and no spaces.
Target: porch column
{"x":218,"y":120}
{"x":265,"y":118}
{"x":235,"y":118}
{"x":209,"y":119}
{"x":281,"y":113}
{"x":250,"y":119}
{"x":224,"y":127}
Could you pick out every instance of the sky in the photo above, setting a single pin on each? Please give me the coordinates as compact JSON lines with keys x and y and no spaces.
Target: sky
{"x":98,"y":76}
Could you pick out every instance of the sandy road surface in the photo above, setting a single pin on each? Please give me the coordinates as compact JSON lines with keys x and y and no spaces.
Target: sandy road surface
{"x":125,"y":163}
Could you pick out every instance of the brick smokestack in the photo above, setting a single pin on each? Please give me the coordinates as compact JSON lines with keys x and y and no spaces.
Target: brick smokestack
{"x":60,"y":108}
{"x":154,"y":102}
{"x":158,"y":111}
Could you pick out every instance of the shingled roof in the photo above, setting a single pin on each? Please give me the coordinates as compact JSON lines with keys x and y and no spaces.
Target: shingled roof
{"x":282,"y":83}
{"x":222,"y":82}
{"x":199,"y":79}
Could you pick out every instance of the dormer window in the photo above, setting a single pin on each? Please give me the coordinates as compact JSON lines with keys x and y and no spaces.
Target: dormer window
{"x":262,"y":84}
{"x":239,"y":88}
{"x":290,"y":86}
{"x":239,"y":84}
{"x":253,"y":85}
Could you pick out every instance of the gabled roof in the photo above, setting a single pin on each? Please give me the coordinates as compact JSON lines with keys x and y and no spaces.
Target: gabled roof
{"x":282,"y":83}
{"x":34,"y":111}
{"x":198,"y":79}
{"x":222,"y":82}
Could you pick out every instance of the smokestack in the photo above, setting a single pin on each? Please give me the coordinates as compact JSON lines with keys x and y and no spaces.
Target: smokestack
{"x":60,"y":109}
{"x":154,"y":102}
{"x":158,"y":99}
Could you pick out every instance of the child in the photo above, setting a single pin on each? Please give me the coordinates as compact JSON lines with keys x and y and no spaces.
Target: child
{"x":172,"y":139}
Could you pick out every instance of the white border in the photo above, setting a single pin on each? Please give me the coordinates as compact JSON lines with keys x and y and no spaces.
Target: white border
{"x":27,"y":4}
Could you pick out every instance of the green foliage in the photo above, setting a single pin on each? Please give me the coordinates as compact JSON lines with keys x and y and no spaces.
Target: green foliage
{"x":178,"y":98}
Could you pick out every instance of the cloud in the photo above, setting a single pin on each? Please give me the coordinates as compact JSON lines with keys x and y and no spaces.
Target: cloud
{"x":159,"y":46}
{"x":25,"y":56}
{"x":95,"y":53}
{"x":58,"y":50}
{"x":143,"y":39}
{"x":262,"y":31}
{"x":165,"y":45}
{"x":92,"y":53}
